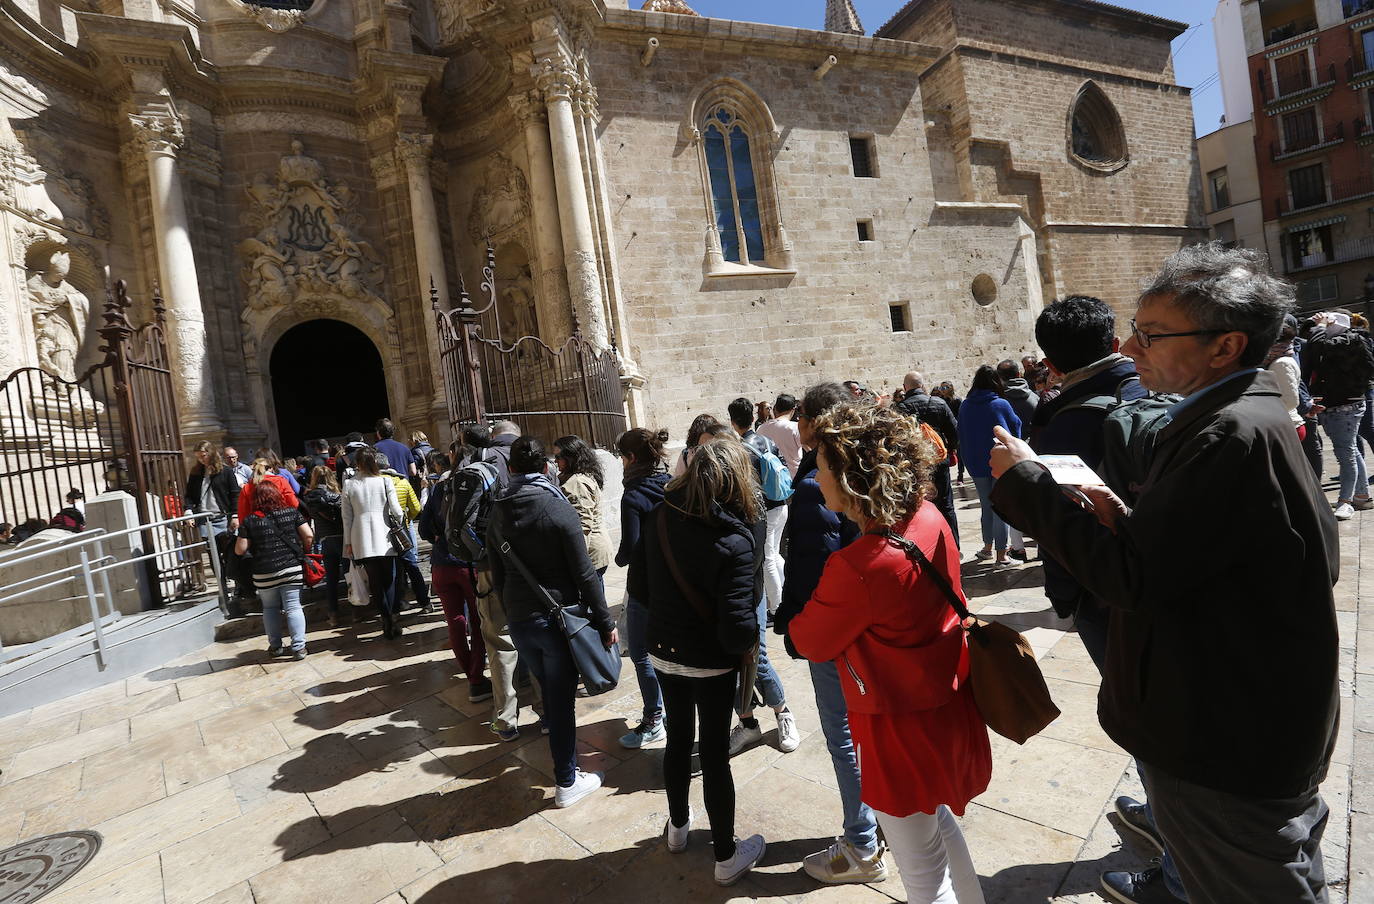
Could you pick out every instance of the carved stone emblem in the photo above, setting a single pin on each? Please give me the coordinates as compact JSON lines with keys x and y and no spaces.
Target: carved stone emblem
{"x":502,"y":203}
{"x":307,"y":244}
{"x":278,"y":15}
{"x":36,"y":183}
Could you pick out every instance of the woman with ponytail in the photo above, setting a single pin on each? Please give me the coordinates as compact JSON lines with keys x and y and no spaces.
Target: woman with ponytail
{"x":646,"y":474}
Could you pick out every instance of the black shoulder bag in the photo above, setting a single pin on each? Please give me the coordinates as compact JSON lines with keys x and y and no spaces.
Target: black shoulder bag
{"x":598,"y":664}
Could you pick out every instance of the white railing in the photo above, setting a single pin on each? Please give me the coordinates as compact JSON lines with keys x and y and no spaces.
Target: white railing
{"x":95,"y":563}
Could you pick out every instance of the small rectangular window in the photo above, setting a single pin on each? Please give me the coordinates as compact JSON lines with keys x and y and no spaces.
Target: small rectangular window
{"x":861,"y":153}
{"x":1308,"y":186}
{"x":1318,"y":290}
{"x":1221,"y":190}
{"x":1300,"y":129}
{"x":1225,"y":232}
{"x":900,"y":312}
{"x":865,"y":230}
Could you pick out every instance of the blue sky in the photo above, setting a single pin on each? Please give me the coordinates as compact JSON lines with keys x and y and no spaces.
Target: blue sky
{"x":1195,"y":55}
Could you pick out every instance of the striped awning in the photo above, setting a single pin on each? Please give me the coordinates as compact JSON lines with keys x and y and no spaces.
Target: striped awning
{"x":1317,"y":224}
{"x":1305,"y":100}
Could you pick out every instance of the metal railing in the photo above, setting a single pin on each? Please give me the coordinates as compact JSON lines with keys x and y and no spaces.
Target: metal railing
{"x":96,"y":564}
{"x":1305,"y":138}
{"x":1294,"y":81}
{"x":1309,"y":196}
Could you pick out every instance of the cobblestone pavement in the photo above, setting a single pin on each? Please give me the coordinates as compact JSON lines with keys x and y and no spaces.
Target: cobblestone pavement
{"x":363,"y":775}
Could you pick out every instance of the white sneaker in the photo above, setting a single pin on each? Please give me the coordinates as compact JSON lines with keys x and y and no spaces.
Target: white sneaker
{"x":1344,"y":512}
{"x":789,"y":739}
{"x":742,"y":737}
{"x":677,"y":836}
{"x":842,"y":862}
{"x":747,"y":855}
{"x":585,"y":783}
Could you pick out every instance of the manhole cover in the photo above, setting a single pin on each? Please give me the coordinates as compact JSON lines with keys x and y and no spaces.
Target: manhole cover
{"x":30,"y":870}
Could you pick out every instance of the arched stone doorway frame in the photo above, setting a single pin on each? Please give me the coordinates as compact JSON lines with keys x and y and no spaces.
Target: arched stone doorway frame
{"x":264,"y":328}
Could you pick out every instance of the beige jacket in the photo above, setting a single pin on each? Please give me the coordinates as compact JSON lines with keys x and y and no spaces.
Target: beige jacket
{"x":585,"y":496}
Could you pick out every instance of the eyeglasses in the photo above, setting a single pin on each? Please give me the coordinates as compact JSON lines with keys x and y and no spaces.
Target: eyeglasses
{"x":1146,"y":339}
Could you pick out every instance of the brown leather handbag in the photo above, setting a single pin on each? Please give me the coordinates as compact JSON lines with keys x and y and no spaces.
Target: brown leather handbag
{"x":1007,"y":683}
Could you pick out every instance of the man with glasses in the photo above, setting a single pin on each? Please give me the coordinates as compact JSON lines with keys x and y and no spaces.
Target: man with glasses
{"x":1220,"y":673}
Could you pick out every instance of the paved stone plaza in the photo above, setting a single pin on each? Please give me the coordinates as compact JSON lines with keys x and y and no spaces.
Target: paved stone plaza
{"x":363,"y":775}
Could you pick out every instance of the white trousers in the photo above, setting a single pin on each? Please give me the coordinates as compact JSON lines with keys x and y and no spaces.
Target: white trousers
{"x":932,"y":857}
{"x":772,"y":557}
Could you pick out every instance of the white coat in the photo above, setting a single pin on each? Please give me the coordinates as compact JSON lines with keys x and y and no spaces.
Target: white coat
{"x":366,"y":502}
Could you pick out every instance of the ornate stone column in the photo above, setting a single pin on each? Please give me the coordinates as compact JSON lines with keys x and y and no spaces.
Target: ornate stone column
{"x":548,"y":245}
{"x":413,"y":150}
{"x":157,"y":133}
{"x":557,"y":79}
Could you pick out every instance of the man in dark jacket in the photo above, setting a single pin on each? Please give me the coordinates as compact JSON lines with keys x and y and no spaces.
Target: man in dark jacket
{"x":1078,"y":336}
{"x":1018,"y":392}
{"x":935,"y":411}
{"x":1232,"y":745}
{"x":537,"y":555}
{"x":813,"y":533}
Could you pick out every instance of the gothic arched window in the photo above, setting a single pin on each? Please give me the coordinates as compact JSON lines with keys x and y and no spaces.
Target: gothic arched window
{"x":736,"y":137}
{"x":1096,"y":136}
{"x":734,"y":192}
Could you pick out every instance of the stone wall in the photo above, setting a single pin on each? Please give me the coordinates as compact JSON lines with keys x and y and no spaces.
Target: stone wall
{"x":703,"y":341}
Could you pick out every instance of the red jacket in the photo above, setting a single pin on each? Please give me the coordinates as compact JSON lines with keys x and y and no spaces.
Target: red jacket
{"x":903,"y":665}
{"x":246,"y":495}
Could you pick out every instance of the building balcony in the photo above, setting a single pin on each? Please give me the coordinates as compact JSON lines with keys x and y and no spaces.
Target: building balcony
{"x":1281,"y":33}
{"x":1292,"y":84}
{"x":1360,"y":64}
{"x":1303,"y":141}
{"x":1354,"y":8}
{"x":1354,"y":249}
{"x":1331,"y":193}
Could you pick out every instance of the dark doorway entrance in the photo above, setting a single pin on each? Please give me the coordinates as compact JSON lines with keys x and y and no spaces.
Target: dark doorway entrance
{"x":327,"y":380}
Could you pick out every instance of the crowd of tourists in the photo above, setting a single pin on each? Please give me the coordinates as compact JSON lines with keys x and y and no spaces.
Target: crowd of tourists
{"x":821,"y":526}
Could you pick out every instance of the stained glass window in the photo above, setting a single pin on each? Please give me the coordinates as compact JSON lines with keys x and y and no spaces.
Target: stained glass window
{"x":734,"y":191}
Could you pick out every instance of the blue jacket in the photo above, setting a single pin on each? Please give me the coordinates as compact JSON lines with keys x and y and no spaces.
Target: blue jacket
{"x":642,"y":495}
{"x":1077,"y":432}
{"x":812,"y":533}
{"x":982,"y":410}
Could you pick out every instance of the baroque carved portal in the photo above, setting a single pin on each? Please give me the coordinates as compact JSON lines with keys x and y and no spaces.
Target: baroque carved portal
{"x":37,"y":184}
{"x":307,"y":245}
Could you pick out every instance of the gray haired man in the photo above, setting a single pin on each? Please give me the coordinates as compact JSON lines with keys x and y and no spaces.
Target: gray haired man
{"x":1220,"y":671}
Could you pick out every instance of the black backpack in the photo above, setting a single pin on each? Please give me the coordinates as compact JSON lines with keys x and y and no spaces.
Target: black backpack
{"x":1346,"y":362}
{"x":469,"y":492}
{"x":1129,"y":429}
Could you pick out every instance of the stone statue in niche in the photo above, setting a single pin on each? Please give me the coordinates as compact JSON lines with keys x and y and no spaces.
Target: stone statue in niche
{"x":307,"y":245}
{"x":502,"y":203}
{"x":60,"y":315}
{"x":517,"y":315}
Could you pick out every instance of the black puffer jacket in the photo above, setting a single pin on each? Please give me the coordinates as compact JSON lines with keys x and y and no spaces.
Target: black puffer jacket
{"x":543,"y":528}
{"x":717,"y":558}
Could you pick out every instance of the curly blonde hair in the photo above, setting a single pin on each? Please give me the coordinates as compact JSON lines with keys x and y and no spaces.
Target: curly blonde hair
{"x":879,"y":457}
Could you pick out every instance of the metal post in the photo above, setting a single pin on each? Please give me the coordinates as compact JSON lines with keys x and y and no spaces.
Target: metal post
{"x":105,"y":577}
{"x":215,"y":567}
{"x":95,"y":613}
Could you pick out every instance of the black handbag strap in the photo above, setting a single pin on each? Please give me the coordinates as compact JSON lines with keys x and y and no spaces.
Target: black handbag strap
{"x":295,"y":548}
{"x":509,"y":552}
{"x":693,"y":595}
{"x":914,"y":553}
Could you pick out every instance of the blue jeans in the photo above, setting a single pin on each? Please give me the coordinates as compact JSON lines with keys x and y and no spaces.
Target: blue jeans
{"x":860,"y":826}
{"x":768,"y":685}
{"x":1342,"y":424}
{"x":544,"y":650}
{"x":277,"y":601}
{"x":637,"y":627}
{"x":994,"y":528}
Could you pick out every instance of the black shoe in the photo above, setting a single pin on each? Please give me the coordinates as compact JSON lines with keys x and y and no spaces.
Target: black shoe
{"x":1135,"y":817}
{"x":298,"y":655}
{"x":1138,"y":888}
{"x":1017,"y":554}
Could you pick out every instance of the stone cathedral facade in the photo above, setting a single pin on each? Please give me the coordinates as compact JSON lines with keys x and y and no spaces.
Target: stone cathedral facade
{"x":738,"y":208}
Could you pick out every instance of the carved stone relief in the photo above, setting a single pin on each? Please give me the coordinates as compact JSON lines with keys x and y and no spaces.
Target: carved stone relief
{"x":502,"y":204}
{"x":307,"y":244}
{"x":284,"y":15}
{"x":36,"y":183}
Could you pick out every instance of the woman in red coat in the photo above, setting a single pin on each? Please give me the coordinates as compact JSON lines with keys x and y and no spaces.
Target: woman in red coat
{"x":903,"y":660}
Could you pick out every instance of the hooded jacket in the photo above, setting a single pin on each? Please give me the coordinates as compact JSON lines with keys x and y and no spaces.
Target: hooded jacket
{"x":1023,"y":401}
{"x":539,"y":523}
{"x":642,"y":495}
{"x":982,"y":410}
{"x":717,"y":558}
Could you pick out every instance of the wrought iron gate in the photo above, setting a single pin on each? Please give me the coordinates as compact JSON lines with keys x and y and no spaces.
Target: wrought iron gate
{"x":114,"y":427}
{"x":549,"y":392}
